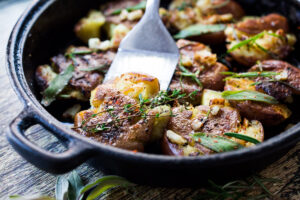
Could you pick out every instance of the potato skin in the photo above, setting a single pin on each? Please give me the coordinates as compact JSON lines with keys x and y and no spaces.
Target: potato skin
{"x":131,"y":134}
{"x":268,"y":114}
{"x":226,"y":120}
{"x":231,"y":7}
{"x":210,"y":70}
{"x":276,"y":89}
{"x":276,"y":43}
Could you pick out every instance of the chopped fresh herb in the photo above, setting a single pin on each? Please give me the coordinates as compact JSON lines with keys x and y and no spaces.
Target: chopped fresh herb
{"x":243,"y":137}
{"x":193,"y":76}
{"x":199,"y":29}
{"x":256,"y":83}
{"x":98,"y":68}
{"x":57,"y":85}
{"x":216,"y":143}
{"x":139,"y":6}
{"x":246,"y":42}
{"x":249,"y":95}
{"x":250,"y":74}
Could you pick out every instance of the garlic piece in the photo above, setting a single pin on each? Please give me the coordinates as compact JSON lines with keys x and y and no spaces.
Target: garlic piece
{"x":123,"y":15}
{"x":197,"y":124}
{"x":135,"y":15}
{"x":94,"y":43}
{"x":175,"y":138}
{"x":215,"y":110}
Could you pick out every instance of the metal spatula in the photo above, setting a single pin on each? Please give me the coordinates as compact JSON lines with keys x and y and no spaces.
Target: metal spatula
{"x":148,"y":48}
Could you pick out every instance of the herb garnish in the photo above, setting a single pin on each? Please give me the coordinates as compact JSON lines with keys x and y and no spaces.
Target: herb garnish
{"x":187,"y":73}
{"x":252,"y":40}
{"x":250,"y":74}
{"x":138,"y":110}
{"x":57,"y":85}
{"x":199,"y":29}
{"x":216,"y":143}
{"x":243,"y":137}
{"x":249,"y":95}
{"x":139,"y":6}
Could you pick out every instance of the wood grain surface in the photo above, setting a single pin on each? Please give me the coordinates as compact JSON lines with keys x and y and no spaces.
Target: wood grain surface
{"x":19,"y":177}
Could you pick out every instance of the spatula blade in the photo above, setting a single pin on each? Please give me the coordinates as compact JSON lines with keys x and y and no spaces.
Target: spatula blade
{"x":157,"y":64}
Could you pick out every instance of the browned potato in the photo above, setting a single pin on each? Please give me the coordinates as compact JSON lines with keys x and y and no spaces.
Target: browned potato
{"x":196,"y":56}
{"x":183,"y":14}
{"x":268,"y":114}
{"x":131,"y":133}
{"x":84,"y":78}
{"x":288,"y":79}
{"x":213,"y":120}
{"x":112,"y":122}
{"x":118,"y":25}
{"x":275,"y":42}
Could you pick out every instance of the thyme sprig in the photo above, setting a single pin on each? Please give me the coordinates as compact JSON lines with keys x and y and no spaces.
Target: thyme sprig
{"x":130,"y":111}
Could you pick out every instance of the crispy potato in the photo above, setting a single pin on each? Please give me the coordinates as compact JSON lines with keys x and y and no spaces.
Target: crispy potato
{"x":289,"y":77}
{"x":131,"y":133}
{"x":132,"y":130}
{"x":183,"y":14}
{"x":160,"y":122}
{"x":44,"y":75}
{"x":268,"y":114}
{"x":213,"y":120}
{"x":89,"y":27}
{"x":211,"y":97}
{"x":275,"y":43}
{"x":198,"y":57}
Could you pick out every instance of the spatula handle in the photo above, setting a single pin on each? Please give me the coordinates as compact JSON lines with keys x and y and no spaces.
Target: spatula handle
{"x":152,"y":7}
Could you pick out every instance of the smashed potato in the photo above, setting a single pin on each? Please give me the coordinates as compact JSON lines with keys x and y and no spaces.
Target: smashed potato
{"x":214,"y":120}
{"x":257,"y":39}
{"x":89,"y":27}
{"x":198,"y":59}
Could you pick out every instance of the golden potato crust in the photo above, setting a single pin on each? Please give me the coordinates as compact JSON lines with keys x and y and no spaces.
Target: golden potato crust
{"x":275,"y":42}
{"x":197,"y":56}
{"x":202,"y":119}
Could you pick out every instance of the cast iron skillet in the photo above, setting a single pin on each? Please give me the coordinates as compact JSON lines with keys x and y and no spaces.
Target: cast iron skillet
{"x":44,"y":29}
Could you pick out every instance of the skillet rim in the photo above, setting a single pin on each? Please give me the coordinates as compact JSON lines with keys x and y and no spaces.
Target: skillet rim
{"x":15,"y":70}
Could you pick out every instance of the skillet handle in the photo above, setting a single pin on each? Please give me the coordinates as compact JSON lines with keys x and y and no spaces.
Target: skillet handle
{"x":77,"y":152}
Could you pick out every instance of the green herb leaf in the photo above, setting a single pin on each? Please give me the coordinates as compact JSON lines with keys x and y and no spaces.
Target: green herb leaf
{"x":199,"y":29}
{"x":57,"y":85}
{"x":98,"y":68}
{"x":249,"y":95}
{"x":61,"y":188}
{"x":103,"y":184}
{"x":139,"y":6}
{"x":243,"y":137}
{"x":250,"y":74}
{"x":246,"y":42}
{"x":187,"y":73}
{"x":32,"y":197}
{"x":75,"y":186}
{"x":216,"y":143}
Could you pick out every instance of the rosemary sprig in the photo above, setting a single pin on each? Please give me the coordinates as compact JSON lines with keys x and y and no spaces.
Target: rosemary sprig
{"x":243,"y":137}
{"x":193,"y":76}
{"x":249,"y":74}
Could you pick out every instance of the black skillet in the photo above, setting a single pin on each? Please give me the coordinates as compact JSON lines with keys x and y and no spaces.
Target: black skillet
{"x":46,"y":28}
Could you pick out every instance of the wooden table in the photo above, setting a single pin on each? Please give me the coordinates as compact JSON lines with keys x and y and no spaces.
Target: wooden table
{"x":19,"y":177}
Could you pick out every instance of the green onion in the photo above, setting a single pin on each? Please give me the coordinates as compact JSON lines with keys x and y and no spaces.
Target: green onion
{"x":98,"y":68}
{"x":249,"y":95}
{"x":216,"y":143}
{"x":57,"y":85}
{"x":245,"y":42}
{"x":193,"y":76}
{"x":243,"y":137}
{"x":199,"y":29}
{"x":141,"y":5}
